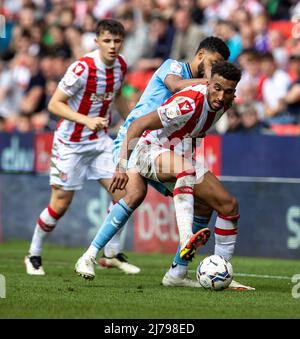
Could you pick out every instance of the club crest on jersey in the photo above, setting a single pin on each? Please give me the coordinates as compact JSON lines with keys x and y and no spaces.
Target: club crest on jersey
{"x":185,"y":104}
{"x":63,"y":176}
{"x":78,"y":69}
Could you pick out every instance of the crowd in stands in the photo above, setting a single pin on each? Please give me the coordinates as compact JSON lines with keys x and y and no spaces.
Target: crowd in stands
{"x":40,"y":38}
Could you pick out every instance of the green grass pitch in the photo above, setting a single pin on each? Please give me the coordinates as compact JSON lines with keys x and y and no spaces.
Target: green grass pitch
{"x":114,"y":295}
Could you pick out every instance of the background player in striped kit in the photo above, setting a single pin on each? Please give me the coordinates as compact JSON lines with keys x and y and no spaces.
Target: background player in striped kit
{"x":81,"y":147}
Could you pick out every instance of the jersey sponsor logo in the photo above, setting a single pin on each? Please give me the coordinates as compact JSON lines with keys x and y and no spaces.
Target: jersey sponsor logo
{"x":175,"y":67}
{"x":78,"y":69}
{"x":101,"y":97}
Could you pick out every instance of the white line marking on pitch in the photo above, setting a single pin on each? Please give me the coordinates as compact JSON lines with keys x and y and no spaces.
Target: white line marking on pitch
{"x":263,"y":276}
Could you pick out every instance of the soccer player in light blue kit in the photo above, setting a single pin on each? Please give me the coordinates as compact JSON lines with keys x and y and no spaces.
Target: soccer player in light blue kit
{"x":170,"y":78}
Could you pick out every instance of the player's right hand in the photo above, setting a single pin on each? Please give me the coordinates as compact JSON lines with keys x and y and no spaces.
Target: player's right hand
{"x":119,"y":181}
{"x":96,"y":124}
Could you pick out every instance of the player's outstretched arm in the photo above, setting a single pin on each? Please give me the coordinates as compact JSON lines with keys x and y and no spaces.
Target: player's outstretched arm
{"x":58,"y":106}
{"x":150,"y":121}
{"x":175,"y":83}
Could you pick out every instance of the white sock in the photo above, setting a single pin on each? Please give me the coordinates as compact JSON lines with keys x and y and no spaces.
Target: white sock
{"x":113,"y":247}
{"x":45,"y":225}
{"x":91,"y":252}
{"x":225,"y":235}
{"x":184,"y":205}
{"x":177,"y":270}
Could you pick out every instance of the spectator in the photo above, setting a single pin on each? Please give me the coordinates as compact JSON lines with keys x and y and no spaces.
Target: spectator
{"x":56,"y":42}
{"x":226,"y":30}
{"x":291,"y":101}
{"x":250,"y":119}
{"x":73,"y":35}
{"x":260,"y":24}
{"x":186,"y":33}
{"x":276,"y":41}
{"x":34,"y":95}
{"x":274,"y":88}
{"x":247,"y":37}
{"x":160,"y":43}
{"x":250,"y":63}
{"x":136,"y":38}
{"x":248,"y":95}
{"x":14,"y":79}
{"x":233,"y":120}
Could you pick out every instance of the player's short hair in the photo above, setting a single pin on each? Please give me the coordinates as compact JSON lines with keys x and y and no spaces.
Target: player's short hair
{"x":214,"y":44}
{"x":110,"y":25}
{"x":227,"y":70}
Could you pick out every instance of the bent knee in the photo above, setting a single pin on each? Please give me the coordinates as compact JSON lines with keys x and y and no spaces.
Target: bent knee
{"x":134,"y":198}
{"x":229,"y":207}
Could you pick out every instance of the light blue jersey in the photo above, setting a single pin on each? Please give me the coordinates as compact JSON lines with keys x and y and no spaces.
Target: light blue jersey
{"x":155,"y":94}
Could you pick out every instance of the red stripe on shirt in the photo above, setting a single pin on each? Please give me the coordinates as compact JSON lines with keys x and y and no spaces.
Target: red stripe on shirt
{"x":123,"y":66}
{"x":86,"y":103}
{"x":59,"y":123}
{"x":109,"y":88}
{"x":191,"y":123}
{"x":188,"y":93}
{"x":209,"y":120}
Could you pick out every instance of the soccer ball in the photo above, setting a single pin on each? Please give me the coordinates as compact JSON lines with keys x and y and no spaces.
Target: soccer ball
{"x":214,"y":273}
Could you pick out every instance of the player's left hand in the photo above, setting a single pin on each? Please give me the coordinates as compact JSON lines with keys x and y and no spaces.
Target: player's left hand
{"x":119,"y":181}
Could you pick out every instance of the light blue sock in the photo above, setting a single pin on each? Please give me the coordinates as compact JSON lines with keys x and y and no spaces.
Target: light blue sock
{"x":198,"y":223}
{"x":116,"y":219}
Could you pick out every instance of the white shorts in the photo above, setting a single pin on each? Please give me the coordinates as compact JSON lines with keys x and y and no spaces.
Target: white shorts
{"x":73,"y":164}
{"x":143,"y":160}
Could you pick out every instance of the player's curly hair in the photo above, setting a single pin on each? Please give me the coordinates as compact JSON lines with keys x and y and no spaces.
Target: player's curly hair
{"x":112,"y":26}
{"x":226,"y":70}
{"x":214,"y":44}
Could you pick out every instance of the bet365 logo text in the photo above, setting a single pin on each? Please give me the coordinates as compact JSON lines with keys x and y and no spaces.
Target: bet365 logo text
{"x":2,"y":286}
{"x":296,"y":288}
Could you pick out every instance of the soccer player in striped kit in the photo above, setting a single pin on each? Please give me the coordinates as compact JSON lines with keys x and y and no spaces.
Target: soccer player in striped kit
{"x":82,"y":149}
{"x":161,"y":155}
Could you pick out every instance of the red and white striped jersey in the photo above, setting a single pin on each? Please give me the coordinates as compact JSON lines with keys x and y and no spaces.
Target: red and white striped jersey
{"x":184,"y":116}
{"x":91,"y":86}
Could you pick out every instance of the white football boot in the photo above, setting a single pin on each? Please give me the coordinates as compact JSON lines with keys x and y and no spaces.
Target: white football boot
{"x":234,"y":285}
{"x":85,"y":267}
{"x":34,"y":265}
{"x":171,"y":281}
{"x":119,"y":261}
